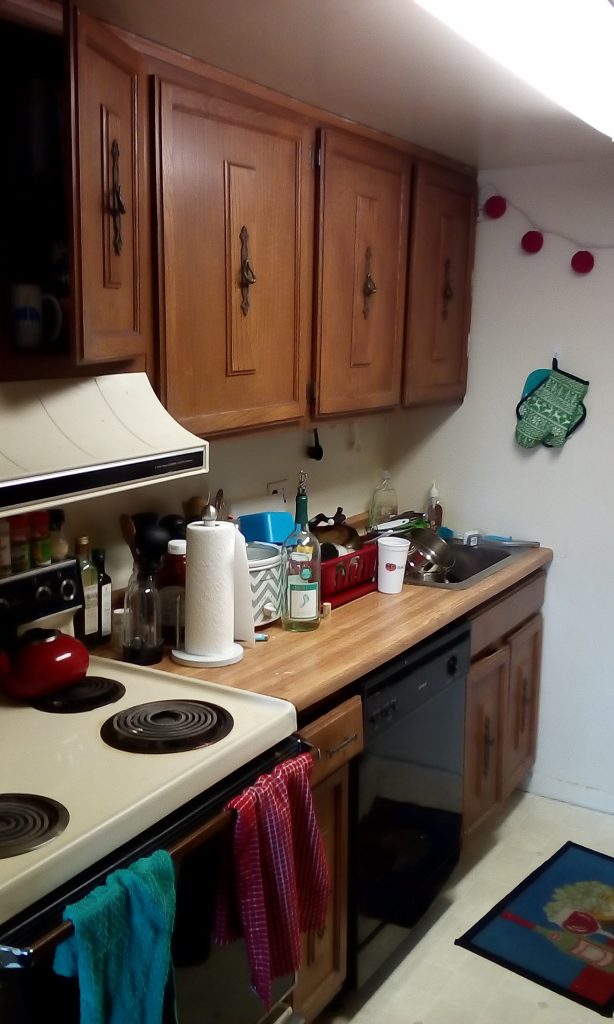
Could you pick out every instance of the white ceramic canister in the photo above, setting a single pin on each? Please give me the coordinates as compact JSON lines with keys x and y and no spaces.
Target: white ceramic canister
{"x":264,"y":562}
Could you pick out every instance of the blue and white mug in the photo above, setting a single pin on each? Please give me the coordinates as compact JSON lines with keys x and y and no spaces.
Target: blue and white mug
{"x":36,"y":318}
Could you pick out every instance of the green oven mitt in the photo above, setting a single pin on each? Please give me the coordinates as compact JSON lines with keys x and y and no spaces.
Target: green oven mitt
{"x":550,"y":412}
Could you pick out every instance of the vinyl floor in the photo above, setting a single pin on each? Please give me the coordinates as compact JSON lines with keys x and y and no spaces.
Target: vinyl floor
{"x":432,"y":981}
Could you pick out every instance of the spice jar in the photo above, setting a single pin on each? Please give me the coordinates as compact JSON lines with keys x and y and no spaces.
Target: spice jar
{"x":40,"y":541}
{"x":19,"y":527}
{"x":59,"y":544}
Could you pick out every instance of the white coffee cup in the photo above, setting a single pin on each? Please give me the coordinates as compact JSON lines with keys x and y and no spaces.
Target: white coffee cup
{"x":391,"y":559}
{"x":36,"y":318}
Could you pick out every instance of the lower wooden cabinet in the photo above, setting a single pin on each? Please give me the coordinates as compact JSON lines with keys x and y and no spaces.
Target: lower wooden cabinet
{"x":336,"y":737}
{"x":484,"y":727}
{"x":502,"y":708}
{"x":522,"y":703}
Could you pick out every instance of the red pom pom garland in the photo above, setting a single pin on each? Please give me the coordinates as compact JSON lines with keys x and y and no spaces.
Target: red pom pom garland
{"x":532,"y":241}
{"x":495,"y":207}
{"x":582,"y":262}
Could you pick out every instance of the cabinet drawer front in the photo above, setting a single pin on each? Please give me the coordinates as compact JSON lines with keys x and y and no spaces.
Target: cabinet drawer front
{"x":337,"y":736}
{"x":492,"y":624}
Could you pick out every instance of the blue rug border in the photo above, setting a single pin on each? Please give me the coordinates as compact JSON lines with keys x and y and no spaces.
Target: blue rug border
{"x":465,"y":940}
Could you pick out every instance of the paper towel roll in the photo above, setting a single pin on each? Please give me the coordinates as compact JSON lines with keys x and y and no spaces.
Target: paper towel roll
{"x":210,"y":595}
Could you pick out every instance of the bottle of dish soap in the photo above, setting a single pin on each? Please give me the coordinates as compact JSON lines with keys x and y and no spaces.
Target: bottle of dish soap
{"x":434,"y":511}
{"x":384,"y":503}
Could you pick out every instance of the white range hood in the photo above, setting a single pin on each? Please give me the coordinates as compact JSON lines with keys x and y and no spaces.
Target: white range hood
{"x":63,"y":440}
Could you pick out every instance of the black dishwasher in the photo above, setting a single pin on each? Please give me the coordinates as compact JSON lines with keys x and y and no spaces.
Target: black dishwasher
{"x":407,"y":791}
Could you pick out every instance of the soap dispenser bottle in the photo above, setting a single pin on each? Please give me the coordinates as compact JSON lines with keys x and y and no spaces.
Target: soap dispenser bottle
{"x":434,"y":511}
{"x":384,"y":503}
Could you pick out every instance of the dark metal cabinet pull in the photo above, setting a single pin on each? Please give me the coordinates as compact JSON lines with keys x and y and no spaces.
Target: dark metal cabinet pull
{"x":448,"y":291}
{"x":489,"y":742}
{"x":369,"y":287}
{"x":524,"y":703}
{"x":118,"y":207}
{"x":247,"y":274}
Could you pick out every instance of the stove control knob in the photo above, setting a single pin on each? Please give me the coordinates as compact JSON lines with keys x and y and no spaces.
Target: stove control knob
{"x":68,"y":589}
{"x":42,"y":594}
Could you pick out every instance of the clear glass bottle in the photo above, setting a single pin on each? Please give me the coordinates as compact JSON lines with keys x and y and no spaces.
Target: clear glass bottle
{"x":104,"y":596}
{"x":86,"y":618}
{"x":300,"y":560}
{"x":384,"y":502}
{"x":142,"y":627}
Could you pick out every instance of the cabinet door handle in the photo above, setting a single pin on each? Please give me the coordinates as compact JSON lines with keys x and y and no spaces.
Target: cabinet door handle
{"x":524,"y":703}
{"x":341,"y":746}
{"x":448,"y":291}
{"x":118,"y":207}
{"x":489,"y":742}
{"x":369,"y":288}
{"x":248,"y":277}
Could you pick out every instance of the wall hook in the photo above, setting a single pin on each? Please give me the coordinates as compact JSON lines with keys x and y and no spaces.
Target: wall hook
{"x":315,"y":451}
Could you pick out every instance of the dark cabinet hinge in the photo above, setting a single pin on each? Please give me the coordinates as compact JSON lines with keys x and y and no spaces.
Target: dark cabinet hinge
{"x":314,"y":155}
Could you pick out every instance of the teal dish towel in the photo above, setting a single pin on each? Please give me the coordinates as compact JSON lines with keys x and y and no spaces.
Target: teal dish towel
{"x":120,"y":949}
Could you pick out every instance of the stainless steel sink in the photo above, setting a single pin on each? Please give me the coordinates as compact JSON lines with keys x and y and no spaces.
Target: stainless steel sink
{"x":471,"y":564}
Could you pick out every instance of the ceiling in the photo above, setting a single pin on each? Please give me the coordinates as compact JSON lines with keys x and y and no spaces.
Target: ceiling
{"x":383,"y":63}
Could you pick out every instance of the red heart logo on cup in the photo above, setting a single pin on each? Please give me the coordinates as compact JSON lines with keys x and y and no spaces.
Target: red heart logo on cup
{"x":390,"y":566}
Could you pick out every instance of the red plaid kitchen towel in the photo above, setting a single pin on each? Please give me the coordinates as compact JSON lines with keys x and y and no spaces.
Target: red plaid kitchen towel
{"x":277,"y":883}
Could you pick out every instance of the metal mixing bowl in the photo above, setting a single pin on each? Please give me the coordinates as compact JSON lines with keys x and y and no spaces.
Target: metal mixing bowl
{"x":433,"y":547}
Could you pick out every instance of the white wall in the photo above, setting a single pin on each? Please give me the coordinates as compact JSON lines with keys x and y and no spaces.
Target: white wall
{"x":525,"y":307}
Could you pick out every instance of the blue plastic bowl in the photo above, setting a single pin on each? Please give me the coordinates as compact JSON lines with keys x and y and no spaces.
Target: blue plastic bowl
{"x":273,"y":527}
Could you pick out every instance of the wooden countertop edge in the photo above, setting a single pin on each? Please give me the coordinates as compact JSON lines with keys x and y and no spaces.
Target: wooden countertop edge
{"x":309,"y":668}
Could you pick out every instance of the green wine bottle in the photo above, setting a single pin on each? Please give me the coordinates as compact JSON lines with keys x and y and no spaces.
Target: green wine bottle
{"x":300,"y":555}
{"x":597,"y":954}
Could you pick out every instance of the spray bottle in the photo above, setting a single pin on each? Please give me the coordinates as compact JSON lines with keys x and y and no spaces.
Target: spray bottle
{"x":434,"y":510}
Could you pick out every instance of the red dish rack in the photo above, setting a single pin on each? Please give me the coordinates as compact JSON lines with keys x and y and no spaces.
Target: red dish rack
{"x":350,"y":576}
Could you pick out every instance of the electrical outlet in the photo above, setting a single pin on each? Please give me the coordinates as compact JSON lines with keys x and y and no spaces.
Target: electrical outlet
{"x":278,"y":487}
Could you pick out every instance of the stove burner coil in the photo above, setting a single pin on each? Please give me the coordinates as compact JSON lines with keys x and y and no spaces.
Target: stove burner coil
{"x":28,"y":821}
{"x":167,"y":726}
{"x":89,"y":693}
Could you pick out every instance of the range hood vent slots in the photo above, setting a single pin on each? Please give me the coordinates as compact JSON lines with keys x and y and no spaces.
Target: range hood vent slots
{"x":64,"y":440}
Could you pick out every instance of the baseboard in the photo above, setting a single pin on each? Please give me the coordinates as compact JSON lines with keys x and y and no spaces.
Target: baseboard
{"x":570,"y":793}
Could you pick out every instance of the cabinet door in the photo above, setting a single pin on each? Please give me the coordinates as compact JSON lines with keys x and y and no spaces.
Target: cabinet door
{"x":523,"y":703}
{"x":484,"y":724}
{"x":439,"y":293}
{"x":364,"y":190}
{"x":323,"y":966}
{"x":235,"y":215}
{"x":111,"y":258}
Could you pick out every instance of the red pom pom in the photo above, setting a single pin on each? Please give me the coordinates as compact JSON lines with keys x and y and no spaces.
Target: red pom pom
{"x":582,"y":261}
{"x":495,"y":206}
{"x":532,"y":241}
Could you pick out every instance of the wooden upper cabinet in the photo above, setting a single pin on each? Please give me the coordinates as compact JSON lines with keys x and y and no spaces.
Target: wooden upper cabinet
{"x":235,"y":228}
{"x":439,"y":292}
{"x":362,"y":228}
{"x":111,"y":243}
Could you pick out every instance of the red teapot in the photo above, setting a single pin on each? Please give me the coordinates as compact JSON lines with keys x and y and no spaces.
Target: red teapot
{"x":43,"y":661}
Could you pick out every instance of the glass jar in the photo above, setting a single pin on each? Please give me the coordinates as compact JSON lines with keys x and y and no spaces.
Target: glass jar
{"x":142,"y":627}
{"x":40,"y":541}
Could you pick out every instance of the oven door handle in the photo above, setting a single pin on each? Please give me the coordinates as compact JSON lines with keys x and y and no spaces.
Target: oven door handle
{"x":16,"y":957}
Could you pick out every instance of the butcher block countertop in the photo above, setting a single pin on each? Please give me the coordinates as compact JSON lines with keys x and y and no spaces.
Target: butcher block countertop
{"x":310,"y":668}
